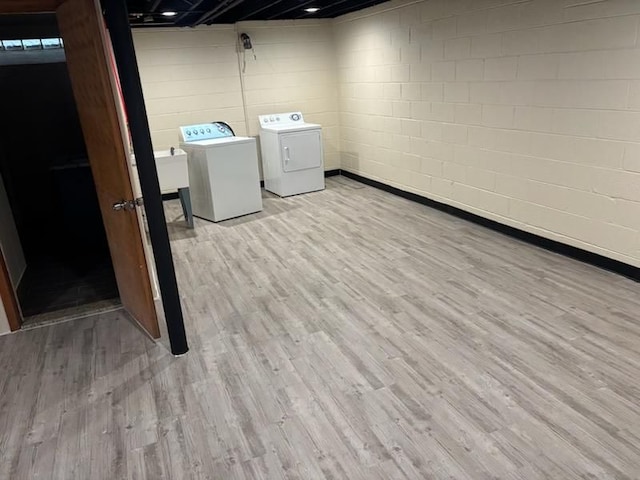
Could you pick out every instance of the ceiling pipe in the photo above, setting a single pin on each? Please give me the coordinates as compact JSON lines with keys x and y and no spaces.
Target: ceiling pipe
{"x":264,"y":7}
{"x":216,"y":9}
{"x":299,"y":5}
{"x":351,"y":7}
{"x":189,"y":11}
{"x":216,"y":12}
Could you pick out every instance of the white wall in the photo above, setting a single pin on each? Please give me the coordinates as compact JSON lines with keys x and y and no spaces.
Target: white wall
{"x":195,"y":75}
{"x":527,"y":113}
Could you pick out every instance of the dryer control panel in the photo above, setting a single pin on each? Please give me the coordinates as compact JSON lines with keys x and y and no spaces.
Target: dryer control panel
{"x":290,"y":118}
{"x":205,"y":131}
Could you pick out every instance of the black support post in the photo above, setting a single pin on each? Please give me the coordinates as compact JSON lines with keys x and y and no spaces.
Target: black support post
{"x":117,"y":19}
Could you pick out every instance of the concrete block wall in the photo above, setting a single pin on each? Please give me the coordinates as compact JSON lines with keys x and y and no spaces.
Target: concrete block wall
{"x":189,"y":75}
{"x":293,"y":69}
{"x":525,"y":112}
{"x":200,"y":75}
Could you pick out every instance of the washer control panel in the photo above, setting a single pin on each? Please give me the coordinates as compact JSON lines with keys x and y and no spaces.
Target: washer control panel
{"x":204,"y":131}
{"x":290,"y":118}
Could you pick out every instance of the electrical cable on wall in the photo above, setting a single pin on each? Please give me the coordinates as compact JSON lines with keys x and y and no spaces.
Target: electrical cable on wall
{"x":244,"y":42}
{"x":246,"y":45}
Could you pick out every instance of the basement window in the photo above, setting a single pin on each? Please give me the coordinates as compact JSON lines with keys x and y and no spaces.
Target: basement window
{"x":12,"y":44}
{"x":51,"y":43}
{"x":31,"y":44}
{"x":31,"y":50}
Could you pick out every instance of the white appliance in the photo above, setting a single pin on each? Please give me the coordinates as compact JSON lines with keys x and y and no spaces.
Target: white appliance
{"x":173,"y":176}
{"x":292,"y":156}
{"x":223,"y":171}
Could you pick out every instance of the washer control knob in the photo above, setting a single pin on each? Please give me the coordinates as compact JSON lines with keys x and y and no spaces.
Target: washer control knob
{"x":295,"y":117}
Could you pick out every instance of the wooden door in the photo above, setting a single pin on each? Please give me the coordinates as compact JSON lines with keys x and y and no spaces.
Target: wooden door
{"x":82,"y":30}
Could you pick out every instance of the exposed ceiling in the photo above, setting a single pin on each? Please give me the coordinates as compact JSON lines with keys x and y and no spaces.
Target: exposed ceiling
{"x":190,"y":13}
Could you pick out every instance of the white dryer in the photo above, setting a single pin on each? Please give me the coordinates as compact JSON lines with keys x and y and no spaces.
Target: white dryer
{"x":292,"y":155}
{"x":223,"y":171}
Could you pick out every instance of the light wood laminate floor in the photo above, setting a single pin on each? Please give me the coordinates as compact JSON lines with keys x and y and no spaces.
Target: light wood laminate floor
{"x":344,"y":334}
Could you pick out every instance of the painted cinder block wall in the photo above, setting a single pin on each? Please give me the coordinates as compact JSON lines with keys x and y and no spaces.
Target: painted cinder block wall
{"x":192,"y":75}
{"x":189,"y":75}
{"x":293,"y":69}
{"x":524,"y":112}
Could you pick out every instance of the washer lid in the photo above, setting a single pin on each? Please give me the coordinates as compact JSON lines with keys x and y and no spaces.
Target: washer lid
{"x":291,"y":128}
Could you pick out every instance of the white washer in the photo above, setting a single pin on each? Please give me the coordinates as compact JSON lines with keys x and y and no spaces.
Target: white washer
{"x":292,"y":155}
{"x":223,"y":172}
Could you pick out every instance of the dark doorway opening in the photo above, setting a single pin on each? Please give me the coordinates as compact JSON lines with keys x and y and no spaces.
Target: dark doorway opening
{"x":50,"y":189}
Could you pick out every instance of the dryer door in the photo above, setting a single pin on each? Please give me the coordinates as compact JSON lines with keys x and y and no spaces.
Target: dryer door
{"x":301,"y":150}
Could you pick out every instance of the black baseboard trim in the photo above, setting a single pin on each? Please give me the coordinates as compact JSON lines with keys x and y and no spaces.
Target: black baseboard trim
{"x":170,"y":196}
{"x":576,"y":253}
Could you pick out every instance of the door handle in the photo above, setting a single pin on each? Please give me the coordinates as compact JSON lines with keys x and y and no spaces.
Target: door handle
{"x":286,"y":155}
{"x":123,"y":205}
{"x":127,"y":204}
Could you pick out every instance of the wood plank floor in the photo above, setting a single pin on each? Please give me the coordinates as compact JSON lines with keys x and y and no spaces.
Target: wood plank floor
{"x":344,"y":334}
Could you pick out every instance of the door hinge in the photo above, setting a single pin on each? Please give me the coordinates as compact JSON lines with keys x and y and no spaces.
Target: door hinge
{"x":128,"y":204}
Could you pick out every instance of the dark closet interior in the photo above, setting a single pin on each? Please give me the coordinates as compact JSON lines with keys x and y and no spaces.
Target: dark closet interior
{"x":43,"y":163}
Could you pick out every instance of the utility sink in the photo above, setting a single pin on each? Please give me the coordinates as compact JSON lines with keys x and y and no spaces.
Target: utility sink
{"x":173,"y":173}
{"x":173,"y":176}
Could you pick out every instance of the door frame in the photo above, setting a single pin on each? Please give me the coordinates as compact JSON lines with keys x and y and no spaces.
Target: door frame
{"x":8,"y":297}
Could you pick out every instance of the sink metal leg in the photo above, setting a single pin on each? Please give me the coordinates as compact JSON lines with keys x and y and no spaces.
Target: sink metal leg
{"x":185,"y":200}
